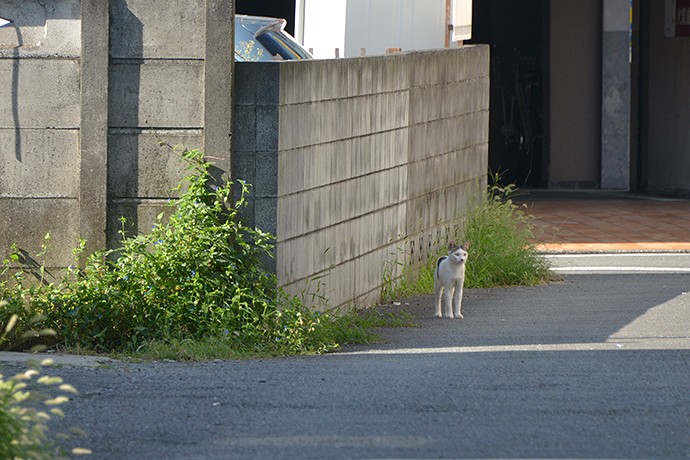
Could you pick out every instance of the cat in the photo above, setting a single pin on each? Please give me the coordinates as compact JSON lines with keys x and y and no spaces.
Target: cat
{"x":449,"y":278}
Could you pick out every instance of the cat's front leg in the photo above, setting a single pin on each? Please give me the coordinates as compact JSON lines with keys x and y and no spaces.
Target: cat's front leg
{"x":457,"y":302}
{"x":447,"y":297}
{"x":437,"y":301}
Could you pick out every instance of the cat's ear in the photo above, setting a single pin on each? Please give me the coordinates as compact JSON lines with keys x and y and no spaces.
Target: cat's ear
{"x":452,"y":246}
{"x":465,"y":245}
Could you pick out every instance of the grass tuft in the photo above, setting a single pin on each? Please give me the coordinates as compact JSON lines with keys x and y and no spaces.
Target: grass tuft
{"x":501,"y":236}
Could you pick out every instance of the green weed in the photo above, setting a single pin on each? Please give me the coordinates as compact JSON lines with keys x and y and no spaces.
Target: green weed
{"x":501,"y":236}
{"x":411,"y":281}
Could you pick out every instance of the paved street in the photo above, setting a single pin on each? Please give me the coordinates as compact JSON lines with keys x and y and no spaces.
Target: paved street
{"x":594,"y":367}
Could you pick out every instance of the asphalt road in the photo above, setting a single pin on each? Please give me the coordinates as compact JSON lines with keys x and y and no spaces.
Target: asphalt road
{"x":597,"y":366}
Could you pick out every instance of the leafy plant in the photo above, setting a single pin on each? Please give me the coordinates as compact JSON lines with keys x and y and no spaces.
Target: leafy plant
{"x":196,"y":275}
{"x":396,"y":277}
{"x":195,"y":279}
{"x":23,"y":299}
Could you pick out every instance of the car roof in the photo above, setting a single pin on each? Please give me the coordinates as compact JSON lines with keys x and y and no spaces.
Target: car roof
{"x":257,"y":23}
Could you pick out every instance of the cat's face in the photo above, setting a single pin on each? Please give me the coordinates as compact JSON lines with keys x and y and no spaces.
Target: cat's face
{"x":458,"y":254}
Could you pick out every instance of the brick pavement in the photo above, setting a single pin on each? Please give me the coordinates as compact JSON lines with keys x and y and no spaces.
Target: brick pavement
{"x":607,"y":222}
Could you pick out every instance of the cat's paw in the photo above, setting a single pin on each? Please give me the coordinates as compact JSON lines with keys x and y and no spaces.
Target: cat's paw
{"x":448,"y":316}
{"x":437,"y":315}
{"x":459,"y":316}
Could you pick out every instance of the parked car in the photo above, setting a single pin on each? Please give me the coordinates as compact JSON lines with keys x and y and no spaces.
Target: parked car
{"x":264,"y":39}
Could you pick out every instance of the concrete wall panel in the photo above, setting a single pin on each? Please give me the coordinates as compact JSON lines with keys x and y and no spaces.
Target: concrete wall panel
{"x":35,"y":101}
{"x":140,"y":167}
{"x":39,"y":163}
{"x":40,"y":28}
{"x":27,"y":221}
{"x":158,"y":94}
{"x":142,"y":30}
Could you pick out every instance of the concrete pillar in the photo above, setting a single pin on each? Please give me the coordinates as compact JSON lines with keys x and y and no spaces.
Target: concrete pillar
{"x":94,"y":123}
{"x":218,"y":70}
{"x":615,"y":104}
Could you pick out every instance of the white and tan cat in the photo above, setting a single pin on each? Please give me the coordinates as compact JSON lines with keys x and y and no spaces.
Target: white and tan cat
{"x":449,"y":278}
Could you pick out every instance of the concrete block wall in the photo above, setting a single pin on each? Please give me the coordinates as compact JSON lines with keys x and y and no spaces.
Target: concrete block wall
{"x":88,"y":90}
{"x":39,"y":127}
{"x":361,"y":165}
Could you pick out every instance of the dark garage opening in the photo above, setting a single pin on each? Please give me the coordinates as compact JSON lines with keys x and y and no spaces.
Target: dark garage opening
{"x":518,"y":34}
{"x":278,"y":9}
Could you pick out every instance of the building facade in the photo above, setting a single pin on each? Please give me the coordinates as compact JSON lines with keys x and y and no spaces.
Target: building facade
{"x":590,"y":94}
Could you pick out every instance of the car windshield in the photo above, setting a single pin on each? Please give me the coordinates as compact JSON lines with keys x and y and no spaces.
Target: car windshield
{"x":263,"y":39}
{"x":246,"y":48}
{"x":279,"y":45}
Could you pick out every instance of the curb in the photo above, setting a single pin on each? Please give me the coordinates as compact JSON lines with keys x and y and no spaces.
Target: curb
{"x":12,"y":357}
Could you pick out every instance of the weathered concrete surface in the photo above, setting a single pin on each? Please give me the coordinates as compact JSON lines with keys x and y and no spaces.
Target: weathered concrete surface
{"x":616,"y":96}
{"x":40,"y":28}
{"x":47,"y":164}
{"x":170,"y":81}
{"x":138,"y":97}
{"x":39,"y":102}
{"x":143,"y":168}
{"x":26,"y":221}
{"x":175,"y":31}
{"x":93,"y":132}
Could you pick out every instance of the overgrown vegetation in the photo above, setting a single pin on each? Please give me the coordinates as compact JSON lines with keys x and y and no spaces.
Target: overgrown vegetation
{"x":24,"y":414}
{"x":501,"y":252}
{"x":501,"y":236}
{"x":192,"y":287}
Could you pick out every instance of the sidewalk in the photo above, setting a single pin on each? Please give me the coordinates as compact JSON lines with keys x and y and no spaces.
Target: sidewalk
{"x":597,"y":221}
